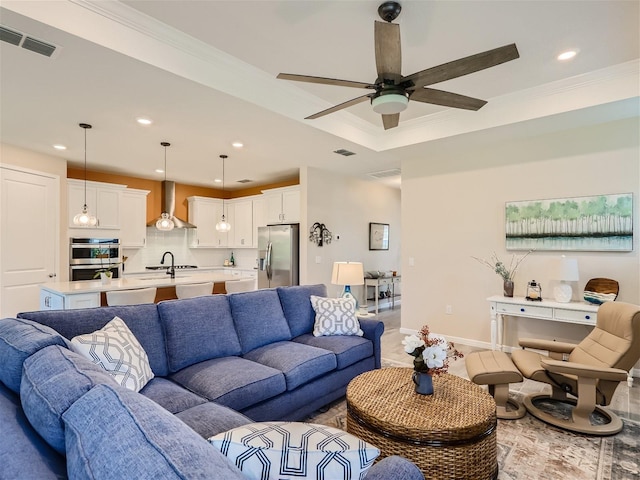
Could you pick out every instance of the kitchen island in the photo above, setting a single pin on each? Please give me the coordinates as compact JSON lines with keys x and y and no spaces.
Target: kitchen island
{"x":91,"y":293}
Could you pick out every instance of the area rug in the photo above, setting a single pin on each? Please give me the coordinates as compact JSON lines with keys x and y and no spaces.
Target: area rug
{"x":530,"y":449}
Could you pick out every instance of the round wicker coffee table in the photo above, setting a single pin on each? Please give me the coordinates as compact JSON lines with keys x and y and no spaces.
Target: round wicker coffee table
{"x":449,"y":435}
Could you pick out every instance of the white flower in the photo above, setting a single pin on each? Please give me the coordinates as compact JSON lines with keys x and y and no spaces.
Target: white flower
{"x":434,"y":356}
{"x":411,"y":343}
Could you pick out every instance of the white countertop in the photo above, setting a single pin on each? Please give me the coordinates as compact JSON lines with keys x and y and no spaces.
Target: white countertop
{"x":159,"y":280}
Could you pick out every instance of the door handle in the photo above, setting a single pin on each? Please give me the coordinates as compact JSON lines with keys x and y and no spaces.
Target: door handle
{"x":268,"y":260}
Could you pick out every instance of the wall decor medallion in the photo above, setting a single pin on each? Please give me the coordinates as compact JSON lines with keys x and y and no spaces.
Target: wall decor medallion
{"x":378,"y":236}
{"x":597,"y":223}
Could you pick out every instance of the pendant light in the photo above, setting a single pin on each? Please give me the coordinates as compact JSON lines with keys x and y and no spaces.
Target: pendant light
{"x":223,"y":226}
{"x":165,"y":223}
{"x":84,"y":218}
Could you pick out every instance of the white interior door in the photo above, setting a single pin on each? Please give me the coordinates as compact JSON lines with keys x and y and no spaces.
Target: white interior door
{"x":29,"y":240}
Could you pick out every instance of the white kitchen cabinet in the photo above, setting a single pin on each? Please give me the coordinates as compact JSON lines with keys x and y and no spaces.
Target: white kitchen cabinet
{"x":241,"y":220}
{"x":204,"y":213}
{"x":282,"y":205}
{"x":103,"y":201}
{"x":259,"y":217}
{"x":56,"y":301}
{"x":133,"y":213}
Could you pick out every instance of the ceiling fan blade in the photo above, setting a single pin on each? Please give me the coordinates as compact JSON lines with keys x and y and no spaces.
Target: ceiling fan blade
{"x":463,"y":66}
{"x":324,"y":81}
{"x":390,"y":121}
{"x":447,"y":99}
{"x":353,"y":101}
{"x":388,"y":51}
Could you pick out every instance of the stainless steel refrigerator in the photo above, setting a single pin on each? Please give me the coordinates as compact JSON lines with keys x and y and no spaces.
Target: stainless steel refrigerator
{"x":278,"y":255}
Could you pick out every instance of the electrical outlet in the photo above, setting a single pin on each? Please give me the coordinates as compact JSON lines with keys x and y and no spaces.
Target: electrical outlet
{"x":412,"y":262}
{"x":318,"y":259}
{"x":448,"y":310}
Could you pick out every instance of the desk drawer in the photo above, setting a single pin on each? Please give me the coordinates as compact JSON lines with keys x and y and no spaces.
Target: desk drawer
{"x":524,"y":310}
{"x":573,"y":316}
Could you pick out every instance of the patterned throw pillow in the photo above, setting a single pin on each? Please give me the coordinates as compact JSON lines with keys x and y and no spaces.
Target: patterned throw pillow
{"x":294,"y":451}
{"x":335,"y":316}
{"x":118,"y":351}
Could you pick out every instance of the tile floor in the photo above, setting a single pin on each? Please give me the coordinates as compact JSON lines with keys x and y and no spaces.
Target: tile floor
{"x":626,"y":401}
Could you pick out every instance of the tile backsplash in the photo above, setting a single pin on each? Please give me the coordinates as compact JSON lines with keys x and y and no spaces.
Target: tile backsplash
{"x":177,"y":242}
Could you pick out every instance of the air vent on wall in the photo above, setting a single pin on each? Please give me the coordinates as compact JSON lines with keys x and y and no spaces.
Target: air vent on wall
{"x":245,"y":180}
{"x":344,"y":152}
{"x":386,"y":173}
{"x":28,"y":43}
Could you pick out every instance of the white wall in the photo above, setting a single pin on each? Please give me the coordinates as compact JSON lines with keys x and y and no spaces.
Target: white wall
{"x":450,"y":214}
{"x":346,"y":205}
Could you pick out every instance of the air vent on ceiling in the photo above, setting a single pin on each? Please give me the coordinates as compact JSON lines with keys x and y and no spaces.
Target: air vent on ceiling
{"x":344,"y":152}
{"x":386,"y":173}
{"x":28,"y":43}
{"x":245,"y":180}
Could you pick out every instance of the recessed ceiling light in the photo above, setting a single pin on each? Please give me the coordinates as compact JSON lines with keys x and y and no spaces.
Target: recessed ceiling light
{"x":159,"y":170}
{"x":144,"y":121}
{"x":59,"y":147}
{"x":217,"y":180}
{"x":568,"y":55}
{"x":237,"y":144}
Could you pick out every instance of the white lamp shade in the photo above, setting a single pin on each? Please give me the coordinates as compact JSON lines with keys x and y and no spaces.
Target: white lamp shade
{"x":390,"y":103}
{"x":568,"y":270}
{"x":347,"y":273}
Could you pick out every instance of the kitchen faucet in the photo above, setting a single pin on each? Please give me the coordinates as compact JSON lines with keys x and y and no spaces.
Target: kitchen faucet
{"x":172,"y":269}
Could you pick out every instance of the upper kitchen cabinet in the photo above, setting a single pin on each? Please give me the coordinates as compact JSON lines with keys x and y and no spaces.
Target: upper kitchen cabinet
{"x":241,"y":220}
{"x":204,"y":213}
{"x":133,"y":215}
{"x":103,"y":201}
{"x":282,"y":205}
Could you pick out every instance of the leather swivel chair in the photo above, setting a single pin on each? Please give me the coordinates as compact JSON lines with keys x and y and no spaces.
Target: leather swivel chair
{"x":584,"y":376}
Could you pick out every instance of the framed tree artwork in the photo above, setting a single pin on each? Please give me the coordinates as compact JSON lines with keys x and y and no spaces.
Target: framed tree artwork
{"x":378,"y":236}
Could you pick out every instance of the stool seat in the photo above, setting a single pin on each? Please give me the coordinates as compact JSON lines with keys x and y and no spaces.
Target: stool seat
{"x":495,"y":369}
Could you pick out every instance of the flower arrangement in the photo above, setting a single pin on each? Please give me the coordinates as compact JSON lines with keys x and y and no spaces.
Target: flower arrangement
{"x":507,"y":273}
{"x":431,"y":352}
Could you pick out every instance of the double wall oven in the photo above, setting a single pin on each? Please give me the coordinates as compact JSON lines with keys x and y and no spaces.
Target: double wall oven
{"x":89,"y":255}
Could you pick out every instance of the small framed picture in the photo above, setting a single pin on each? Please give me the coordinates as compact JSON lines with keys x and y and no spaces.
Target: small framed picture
{"x":378,"y":236}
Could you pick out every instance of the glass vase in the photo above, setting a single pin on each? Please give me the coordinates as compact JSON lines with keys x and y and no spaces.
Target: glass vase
{"x":508,"y":288}
{"x":424,"y":383}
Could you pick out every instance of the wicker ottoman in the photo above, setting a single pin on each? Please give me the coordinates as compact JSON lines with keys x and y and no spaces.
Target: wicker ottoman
{"x":449,"y":435}
{"x":495,"y":369}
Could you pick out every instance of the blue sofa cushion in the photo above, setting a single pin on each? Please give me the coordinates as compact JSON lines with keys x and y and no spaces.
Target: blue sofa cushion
{"x":297,"y":306}
{"x":232,"y":381}
{"x":142,"y":320}
{"x":52,"y":379}
{"x":112,"y":433}
{"x":23,"y":453}
{"x":18,"y":340}
{"x":259,"y":318}
{"x":348,"y":349}
{"x":171,"y":396}
{"x":299,"y":363}
{"x":210,"y":419}
{"x":198,"y":329}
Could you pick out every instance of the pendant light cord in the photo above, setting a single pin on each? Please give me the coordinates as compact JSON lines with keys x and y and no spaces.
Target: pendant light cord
{"x":85,"y":167}
{"x":223,"y":157}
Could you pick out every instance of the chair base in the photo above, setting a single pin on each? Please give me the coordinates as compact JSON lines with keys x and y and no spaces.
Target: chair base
{"x":517,"y":410}
{"x":580,"y":425}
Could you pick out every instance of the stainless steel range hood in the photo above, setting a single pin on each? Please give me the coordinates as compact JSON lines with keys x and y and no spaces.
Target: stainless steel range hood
{"x":169,"y":206}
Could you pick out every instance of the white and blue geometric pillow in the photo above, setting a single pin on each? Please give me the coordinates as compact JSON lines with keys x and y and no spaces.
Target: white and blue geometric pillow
{"x":118,"y":351}
{"x":335,"y":316}
{"x":295,"y":451}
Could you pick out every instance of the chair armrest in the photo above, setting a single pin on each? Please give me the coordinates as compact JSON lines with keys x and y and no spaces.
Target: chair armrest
{"x":548,"y":345}
{"x":373,"y":330}
{"x":585,"y":371}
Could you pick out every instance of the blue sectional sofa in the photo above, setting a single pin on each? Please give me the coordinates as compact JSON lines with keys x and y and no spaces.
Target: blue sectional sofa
{"x":219,"y":362}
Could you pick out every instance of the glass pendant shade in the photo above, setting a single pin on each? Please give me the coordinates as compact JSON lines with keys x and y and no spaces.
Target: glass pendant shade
{"x":164,"y":223}
{"x":223,"y":226}
{"x":84,"y":218}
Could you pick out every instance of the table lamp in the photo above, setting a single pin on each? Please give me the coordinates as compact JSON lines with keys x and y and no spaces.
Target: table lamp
{"x":347,"y":274}
{"x":567,"y":272}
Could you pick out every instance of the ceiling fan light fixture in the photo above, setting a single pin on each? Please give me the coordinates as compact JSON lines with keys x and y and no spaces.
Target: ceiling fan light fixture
{"x":390,"y":103}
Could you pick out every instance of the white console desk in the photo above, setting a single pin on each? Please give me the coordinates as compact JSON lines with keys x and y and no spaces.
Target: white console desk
{"x":572,"y":312}
{"x":377,"y":283}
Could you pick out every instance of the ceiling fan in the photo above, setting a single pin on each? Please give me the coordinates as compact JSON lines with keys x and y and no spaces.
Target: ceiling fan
{"x":392,"y":91}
